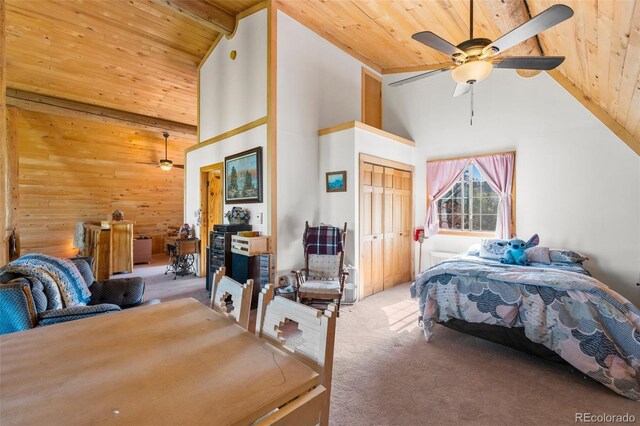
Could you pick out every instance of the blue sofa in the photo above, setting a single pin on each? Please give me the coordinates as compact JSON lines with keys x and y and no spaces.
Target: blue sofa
{"x":24,"y":304}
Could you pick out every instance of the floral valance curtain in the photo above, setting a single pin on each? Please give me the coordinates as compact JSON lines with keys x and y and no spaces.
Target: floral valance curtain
{"x":496,"y":169}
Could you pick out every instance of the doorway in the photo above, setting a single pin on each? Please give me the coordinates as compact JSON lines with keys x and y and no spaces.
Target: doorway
{"x":371,"y":99}
{"x":211,"y":205}
{"x":386,"y":216}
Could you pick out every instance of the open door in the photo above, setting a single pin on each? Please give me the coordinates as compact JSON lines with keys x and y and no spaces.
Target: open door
{"x":371,"y":99}
{"x":211,"y":205}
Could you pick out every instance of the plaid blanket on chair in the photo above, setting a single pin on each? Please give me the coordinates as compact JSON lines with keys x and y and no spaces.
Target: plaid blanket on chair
{"x":63,"y":283}
{"x":322,"y":240}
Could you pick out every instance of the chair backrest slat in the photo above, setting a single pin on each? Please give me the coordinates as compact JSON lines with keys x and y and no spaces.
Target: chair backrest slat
{"x":240,"y":296}
{"x":217,"y":276}
{"x":265,"y":297}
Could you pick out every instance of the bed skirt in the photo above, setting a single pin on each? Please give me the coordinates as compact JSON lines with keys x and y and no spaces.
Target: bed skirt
{"x":512,"y":337}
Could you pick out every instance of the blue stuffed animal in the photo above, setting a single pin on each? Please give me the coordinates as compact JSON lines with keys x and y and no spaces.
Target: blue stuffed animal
{"x":515,"y":254}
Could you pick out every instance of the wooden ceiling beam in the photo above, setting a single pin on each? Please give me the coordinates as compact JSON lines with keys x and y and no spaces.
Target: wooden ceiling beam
{"x":415,"y":68}
{"x":205,"y":13}
{"x":602,"y":115}
{"x":507,"y":15}
{"x":47,"y":104}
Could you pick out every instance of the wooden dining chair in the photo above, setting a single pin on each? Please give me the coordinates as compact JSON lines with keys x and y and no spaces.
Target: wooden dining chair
{"x":233,"y":299}
{"x":318,"y":333}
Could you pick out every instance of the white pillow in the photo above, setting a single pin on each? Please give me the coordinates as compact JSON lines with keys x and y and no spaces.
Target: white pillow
{"x":489,"y":248}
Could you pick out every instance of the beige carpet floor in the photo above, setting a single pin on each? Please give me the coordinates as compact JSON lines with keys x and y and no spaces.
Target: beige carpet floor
{"x":385,"y":373}
{"x":164,"y":287}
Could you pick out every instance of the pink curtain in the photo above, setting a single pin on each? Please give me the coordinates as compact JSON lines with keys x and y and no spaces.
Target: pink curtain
{"x":441,"y":175}
{"x":498,"y":172}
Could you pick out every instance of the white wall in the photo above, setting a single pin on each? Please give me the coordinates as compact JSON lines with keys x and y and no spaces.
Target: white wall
{"x":234,"y":92}
{"x":215,"y":153}
{"x":341,"y":151}
{"x":577,"y":184}
{"x":318,"y":86}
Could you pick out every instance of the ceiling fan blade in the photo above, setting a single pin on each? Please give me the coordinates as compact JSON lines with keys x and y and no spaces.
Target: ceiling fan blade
{"x":179,"y":166}
{"x":545,"y":20}
{"x":148,"y":164}
{"x":446,"y":67}
{"x":545,"y":63}
{"x":436,"y":42}
{"x":461,"y":89}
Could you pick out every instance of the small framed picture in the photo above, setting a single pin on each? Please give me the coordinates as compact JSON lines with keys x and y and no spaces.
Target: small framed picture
{"x":337,"y":181}
{"x":243,"y":177}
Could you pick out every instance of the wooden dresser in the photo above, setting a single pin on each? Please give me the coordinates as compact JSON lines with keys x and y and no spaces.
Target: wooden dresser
{"x":111,"y":248}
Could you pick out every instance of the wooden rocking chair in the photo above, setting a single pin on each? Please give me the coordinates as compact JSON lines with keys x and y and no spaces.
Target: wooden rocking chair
{"x":322,"y":279}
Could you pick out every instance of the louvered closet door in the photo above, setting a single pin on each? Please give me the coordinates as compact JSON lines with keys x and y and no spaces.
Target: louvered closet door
{"x":372,"y":237}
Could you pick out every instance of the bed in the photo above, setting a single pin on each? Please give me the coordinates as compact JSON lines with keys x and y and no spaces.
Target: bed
{"x":556,"y":311}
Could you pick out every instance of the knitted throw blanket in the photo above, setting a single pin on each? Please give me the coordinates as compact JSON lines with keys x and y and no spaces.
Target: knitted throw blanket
{"x":63,"y":283}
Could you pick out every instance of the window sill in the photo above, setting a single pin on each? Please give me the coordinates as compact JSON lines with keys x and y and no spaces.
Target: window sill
{"x":467,"y":233}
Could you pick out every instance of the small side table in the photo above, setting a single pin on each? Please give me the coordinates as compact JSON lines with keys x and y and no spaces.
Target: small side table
{"x":182,"y":253}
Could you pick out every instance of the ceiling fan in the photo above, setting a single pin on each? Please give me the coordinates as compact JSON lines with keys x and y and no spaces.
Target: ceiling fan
{"x":165,"y":164}
{"x":473,"y":60}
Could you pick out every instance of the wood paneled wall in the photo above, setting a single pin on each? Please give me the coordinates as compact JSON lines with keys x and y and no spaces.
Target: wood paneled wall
{"x":73,"y":169}
{"x":4,"y":252}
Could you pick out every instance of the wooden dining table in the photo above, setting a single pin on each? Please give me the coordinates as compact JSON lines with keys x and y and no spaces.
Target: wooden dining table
{"x":173,"y":363}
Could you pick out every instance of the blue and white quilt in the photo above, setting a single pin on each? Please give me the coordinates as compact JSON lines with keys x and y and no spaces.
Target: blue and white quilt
{"x":559,"y":306}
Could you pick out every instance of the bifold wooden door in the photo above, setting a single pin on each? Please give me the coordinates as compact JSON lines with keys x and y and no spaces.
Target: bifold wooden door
{"x":385,"y":250}
{"x":371,"y":238}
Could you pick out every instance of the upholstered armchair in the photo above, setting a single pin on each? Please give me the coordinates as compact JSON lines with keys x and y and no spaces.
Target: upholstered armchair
{"x":24,"y":303}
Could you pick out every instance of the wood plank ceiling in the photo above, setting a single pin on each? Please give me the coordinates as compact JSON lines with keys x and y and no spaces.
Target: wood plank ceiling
{"x":138,"y":56}
{"x":141,"y":56}
{"x":601,"y":41}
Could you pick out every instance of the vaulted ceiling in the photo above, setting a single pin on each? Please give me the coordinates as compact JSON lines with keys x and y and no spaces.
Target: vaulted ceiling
{"x":601,"y":41}
{"x":138,"y":56}
{"x":142,"y":56}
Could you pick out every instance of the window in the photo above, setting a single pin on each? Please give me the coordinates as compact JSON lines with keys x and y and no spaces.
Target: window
{"x":461,"y":199}
{"x":470,"y":205}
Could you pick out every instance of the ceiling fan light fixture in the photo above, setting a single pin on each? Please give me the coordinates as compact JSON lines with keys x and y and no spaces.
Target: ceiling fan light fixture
{"x":166,"y":165}
{"x":472,"y":72}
